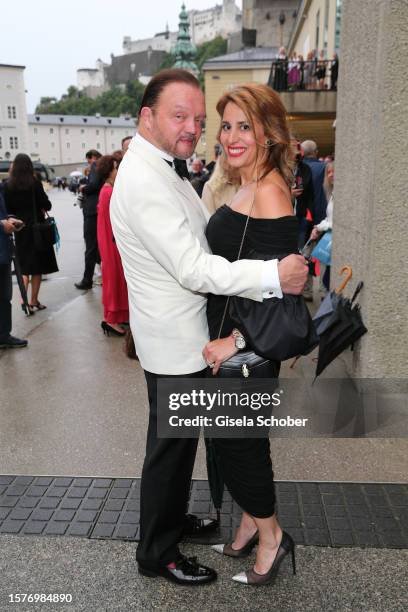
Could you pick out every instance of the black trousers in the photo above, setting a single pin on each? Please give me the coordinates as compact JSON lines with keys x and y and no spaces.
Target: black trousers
{"x":91,"y":247}
{"x":165,"y":486}
{"x":6,"y":291}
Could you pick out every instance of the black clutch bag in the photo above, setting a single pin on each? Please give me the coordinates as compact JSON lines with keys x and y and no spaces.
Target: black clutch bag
{"x":277,"y":329}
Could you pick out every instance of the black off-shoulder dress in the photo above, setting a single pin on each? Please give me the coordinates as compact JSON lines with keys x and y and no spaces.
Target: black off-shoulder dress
{"x":246,"y":463}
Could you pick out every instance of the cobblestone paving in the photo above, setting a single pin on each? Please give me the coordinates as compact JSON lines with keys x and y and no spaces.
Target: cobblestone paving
{"x":316,"y":514}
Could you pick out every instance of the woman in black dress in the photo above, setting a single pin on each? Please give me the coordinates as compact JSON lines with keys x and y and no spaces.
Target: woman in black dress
{"x":256,"y":142}
{"x":26,"y":199}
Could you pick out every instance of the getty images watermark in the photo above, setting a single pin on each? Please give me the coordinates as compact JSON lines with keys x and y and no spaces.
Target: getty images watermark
{"x":238,"y":401}
{"x":288,"y":408}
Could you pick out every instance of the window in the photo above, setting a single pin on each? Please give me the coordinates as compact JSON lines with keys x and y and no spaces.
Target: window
{"x":82,"y":131}
{"x":11,"y":112}
{"x":67,"y":131}
{"x":13,"y":142}
{"x":98,"y":145}
{"x":51,"y":130}
{"x":338,"y":24}
{"x":53,"y":145}
{"x":97,"y":132}
{"x":68,"y":145}
{"x":35,"y":131}
{"x":112,"y":132}
{"x":326,"y":28}
{"x":317,"y":31}
{"x":83,"y":145}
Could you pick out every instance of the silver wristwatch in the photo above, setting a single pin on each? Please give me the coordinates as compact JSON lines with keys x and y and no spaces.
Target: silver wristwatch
{"x":239,"y":339}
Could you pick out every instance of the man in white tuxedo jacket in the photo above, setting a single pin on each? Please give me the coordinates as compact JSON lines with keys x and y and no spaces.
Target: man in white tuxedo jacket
{"x":159,"y":225}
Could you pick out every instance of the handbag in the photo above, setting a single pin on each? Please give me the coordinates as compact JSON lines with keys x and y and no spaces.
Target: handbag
{"x":322,"y":250}
{"x":277,"y":329}
{"x":45,"y":232}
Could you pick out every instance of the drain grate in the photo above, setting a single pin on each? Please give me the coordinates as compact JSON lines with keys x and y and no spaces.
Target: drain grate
{"x":318,"y":514}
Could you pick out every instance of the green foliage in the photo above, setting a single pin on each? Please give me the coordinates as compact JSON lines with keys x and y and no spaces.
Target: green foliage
{"x":118,"y":99}
{"x":112,"y":103}
{"x":210,"y":49}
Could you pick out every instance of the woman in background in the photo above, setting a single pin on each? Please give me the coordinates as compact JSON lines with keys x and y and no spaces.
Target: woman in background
{"x":26,"y":199}
{"x":218,"y":190}
{"x":327,"y":223}
{"x":114,"y":288}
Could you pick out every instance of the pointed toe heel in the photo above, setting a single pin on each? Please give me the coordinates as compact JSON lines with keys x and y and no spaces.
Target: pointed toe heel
{"x":238,"y":553}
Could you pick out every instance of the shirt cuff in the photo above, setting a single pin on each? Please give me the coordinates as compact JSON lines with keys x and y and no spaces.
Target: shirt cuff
{"x":270,"y":280}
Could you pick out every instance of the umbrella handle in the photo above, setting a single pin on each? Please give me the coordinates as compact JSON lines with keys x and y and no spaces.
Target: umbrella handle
{"x":349,"y":274}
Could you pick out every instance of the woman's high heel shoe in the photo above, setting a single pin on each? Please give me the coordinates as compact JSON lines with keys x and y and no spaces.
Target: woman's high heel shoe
{"x":286,"y":546}
{"x":108,"y":329}
{"x":244,"y":551}
{"x":27,"y":309}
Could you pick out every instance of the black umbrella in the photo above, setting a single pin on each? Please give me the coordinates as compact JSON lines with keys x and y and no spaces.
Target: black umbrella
{"x":343,"y":328}
{"x":19,"y":277}
{"x":215,"y":479}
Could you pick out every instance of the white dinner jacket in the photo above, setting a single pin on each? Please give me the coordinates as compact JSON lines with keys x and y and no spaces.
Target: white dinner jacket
{"x":159,"y":225}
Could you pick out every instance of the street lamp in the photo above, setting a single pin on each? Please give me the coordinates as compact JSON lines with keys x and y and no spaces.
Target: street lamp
{"x":282,"y":20}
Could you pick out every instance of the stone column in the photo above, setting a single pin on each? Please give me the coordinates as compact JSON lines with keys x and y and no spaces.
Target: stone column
{"x":371,"y":182}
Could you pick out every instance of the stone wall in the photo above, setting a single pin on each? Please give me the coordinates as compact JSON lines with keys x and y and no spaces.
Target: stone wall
{"x":370,"y":210}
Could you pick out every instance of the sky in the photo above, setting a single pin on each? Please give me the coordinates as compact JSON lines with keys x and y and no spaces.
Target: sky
{"x":52,"y":39}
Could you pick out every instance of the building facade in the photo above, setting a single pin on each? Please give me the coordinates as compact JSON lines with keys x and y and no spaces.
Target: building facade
{"x":268,"y":23}
{"x":64,"y":139}
{"x":14,"y":136}
{"x":221,"y":20}
{"x":317,"y":27}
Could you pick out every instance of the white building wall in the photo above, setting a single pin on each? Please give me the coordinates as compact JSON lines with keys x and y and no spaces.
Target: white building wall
{"x":67,"y":144}
{"x":91,"y":77}
{"x":14,"y":137}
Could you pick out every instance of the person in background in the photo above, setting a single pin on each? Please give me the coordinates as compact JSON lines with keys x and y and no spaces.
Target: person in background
{"x":198,"y":177}
{"x":210,"y":167}
{"x":91,"y":192}
{"x":218,"y":190}
{"x":321,"y":71}
{"x":26,"y":199}
{"x":327,"y":223}
{"x":7,"y":227}
{"x":334,"y":72}
{"x":280,"y":81}
{"x":125,"y":143}
{"x":318,"y":210}
{"x":114,"y":288}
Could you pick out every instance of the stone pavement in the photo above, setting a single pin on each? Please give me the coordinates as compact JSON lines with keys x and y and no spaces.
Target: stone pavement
{"x":76,"y":407}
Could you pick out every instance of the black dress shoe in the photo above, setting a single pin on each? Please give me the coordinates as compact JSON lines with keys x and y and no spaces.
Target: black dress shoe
{"x":186,"y":571}
{"x":12,"y":342}
{"x":83,"y":285}
{"x":195,"y":526}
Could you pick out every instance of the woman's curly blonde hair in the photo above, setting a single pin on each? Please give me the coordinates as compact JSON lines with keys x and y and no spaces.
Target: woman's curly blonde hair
{"x":261,"y":104}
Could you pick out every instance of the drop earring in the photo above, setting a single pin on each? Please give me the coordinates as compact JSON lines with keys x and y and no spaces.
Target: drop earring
{"x":269,"y":142}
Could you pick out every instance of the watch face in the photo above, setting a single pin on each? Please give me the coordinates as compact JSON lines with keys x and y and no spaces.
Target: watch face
{"x":240,"y":343}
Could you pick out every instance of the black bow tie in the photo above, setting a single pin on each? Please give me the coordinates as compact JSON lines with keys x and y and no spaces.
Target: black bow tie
{"x":180,"y":166}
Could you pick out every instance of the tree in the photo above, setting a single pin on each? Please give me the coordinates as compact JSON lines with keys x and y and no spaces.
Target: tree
{"x":114,"y":102}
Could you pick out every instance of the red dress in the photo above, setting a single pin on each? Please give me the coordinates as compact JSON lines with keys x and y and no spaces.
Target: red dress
{"x":114,"y":288}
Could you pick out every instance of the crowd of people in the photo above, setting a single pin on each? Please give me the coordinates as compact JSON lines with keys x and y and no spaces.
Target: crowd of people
{"x":169,"y":262}
{"x":311,"y":72}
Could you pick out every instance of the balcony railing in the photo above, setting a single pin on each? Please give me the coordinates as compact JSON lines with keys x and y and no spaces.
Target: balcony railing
{"x":308,"y":75}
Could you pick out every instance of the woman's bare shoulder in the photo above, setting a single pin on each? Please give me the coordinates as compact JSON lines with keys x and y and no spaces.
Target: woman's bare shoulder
{"x":272,"y":200}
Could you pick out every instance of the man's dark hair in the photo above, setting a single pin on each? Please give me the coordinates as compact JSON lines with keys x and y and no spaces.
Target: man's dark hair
{"x":163,"y":78}
{"x":93,"y":153}
{"x":125,"y":139}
